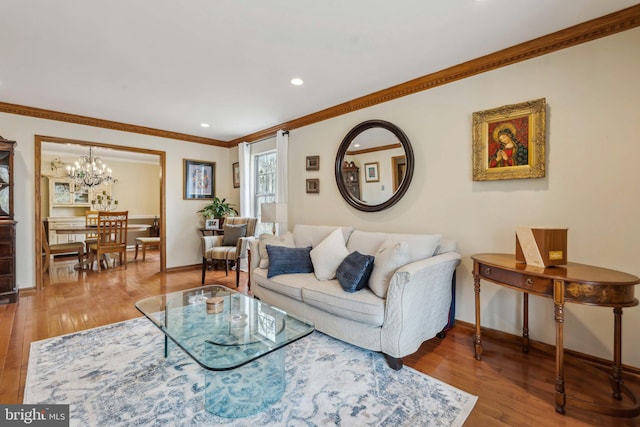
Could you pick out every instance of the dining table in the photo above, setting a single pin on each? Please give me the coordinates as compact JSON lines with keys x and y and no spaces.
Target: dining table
{"x":93,"y":229}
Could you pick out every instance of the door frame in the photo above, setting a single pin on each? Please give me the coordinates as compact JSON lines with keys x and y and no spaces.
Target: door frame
{"x":39,"y":139}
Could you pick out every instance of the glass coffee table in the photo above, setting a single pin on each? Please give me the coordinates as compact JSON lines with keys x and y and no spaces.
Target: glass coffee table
{"x":237,"y":339}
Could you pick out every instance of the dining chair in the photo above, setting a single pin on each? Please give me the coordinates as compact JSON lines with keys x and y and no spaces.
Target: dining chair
{"x":112,"y":237}
{"x":91,"y":219}
{"x":60,"y":248}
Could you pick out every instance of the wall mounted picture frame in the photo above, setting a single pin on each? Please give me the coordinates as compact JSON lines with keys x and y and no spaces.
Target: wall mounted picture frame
{"x":313,"y":185}
{"x":212,"y":224}
{"x":198,"y":181}
{"x":236,"y":175}
{"x":313,"y":163}
{"x":372,"y":172}
{"x":509,"y":142}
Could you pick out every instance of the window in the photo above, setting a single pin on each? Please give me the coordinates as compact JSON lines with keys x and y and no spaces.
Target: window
{"x":265,"y":185}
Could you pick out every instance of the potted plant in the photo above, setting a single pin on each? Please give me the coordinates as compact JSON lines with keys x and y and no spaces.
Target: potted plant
{"x":218,"y":208}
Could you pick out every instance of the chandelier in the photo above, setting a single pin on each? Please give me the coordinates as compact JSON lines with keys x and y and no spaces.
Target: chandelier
{"x":89,"y":171}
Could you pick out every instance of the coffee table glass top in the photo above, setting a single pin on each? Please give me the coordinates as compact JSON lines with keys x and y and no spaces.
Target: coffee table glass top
{"x":230,"y":331}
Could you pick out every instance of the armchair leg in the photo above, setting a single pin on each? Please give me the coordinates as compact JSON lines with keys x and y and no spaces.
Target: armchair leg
{"x":204,"y":268}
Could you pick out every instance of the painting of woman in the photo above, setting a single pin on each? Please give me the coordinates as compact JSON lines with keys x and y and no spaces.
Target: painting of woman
{"x":508,"y":150}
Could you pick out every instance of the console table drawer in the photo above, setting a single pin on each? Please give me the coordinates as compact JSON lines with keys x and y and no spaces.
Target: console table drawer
{"x":537,"y":285}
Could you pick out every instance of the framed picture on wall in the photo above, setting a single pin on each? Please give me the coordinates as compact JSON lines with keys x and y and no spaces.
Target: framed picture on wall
{"x":198,"y":180}
{"x":313,"y":163}
{"x":236,"y":175}
{"x":372,"y":172}
{"x":509,"y":142}
{"x":313,"y":185}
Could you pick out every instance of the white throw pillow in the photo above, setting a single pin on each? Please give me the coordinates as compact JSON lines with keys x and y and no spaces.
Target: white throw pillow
{"x":390,"y":256}
{"x":328,"y":255}
{"x":285,"y":239}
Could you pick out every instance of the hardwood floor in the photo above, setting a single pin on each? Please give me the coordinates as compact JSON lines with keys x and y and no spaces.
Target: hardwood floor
{"x":514,"y":389}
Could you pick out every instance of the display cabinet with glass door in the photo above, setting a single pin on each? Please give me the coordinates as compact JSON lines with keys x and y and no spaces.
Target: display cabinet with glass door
{"x":8,"y":287}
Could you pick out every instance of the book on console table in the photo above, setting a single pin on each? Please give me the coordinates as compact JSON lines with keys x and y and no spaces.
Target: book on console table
{"x":541,"y":247}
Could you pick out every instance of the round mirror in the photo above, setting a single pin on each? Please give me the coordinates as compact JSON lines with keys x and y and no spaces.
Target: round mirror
{"x":374,"y":165}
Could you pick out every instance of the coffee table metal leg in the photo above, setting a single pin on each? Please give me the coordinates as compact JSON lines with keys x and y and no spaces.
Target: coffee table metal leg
{"x":246,"y":390}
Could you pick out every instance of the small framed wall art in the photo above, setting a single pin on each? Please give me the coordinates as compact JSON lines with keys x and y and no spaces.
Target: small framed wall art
{"x":313,"y":163}
{"x":198,"y":180}
{"x":236,"y":175}
{"x":509,"y":142}
{"x":372,"y":172}
{"x":313,"y":185}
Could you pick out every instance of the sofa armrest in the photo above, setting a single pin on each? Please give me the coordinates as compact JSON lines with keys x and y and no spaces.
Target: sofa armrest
{"x":254,"y":247}
{"x":209,"y":242}
{"x":418,"y":303}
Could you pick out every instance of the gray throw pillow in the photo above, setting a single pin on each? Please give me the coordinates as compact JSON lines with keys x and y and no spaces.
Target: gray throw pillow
{"x":232,"y":233}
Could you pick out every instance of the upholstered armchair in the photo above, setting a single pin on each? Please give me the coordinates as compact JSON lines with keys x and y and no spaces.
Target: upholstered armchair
{"x":231,"y":246}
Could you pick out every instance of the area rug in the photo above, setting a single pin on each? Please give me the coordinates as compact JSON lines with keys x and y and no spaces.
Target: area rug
{"x":116,"y":375}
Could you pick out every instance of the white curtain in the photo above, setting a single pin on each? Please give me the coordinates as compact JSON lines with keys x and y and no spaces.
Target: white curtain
{"x":244,"y":154}
{"x":282,"y":160}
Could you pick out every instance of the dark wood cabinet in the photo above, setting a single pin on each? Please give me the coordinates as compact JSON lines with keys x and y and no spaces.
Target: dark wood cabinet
{"x":8,"y":288}
{"x":351,"y":177}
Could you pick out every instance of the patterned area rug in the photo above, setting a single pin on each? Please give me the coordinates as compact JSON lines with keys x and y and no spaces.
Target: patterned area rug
{"x":116,"y":375}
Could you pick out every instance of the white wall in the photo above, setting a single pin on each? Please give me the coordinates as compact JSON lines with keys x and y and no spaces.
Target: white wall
{"x":592,"y":183}
{"x":183,"y":237}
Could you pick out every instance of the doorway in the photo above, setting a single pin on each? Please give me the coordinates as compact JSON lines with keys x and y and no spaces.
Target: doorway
{"x":67,"y":145}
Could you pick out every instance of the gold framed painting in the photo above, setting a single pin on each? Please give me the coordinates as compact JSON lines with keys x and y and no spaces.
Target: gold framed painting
{"x":509,"y":141}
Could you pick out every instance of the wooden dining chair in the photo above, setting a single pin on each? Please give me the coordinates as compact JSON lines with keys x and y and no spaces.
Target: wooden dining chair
{"x":112,"y":237}
{"x":91,"y":219}
{"x":61,"y":248}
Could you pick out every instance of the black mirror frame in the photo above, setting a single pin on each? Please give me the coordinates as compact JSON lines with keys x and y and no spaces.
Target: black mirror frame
{"x":342,"y":150}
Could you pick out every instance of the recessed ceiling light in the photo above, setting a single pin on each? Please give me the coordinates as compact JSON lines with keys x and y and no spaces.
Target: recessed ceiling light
{"x":356,"y":145}
{"x":297,"y":82}
{"x":204,"y":125}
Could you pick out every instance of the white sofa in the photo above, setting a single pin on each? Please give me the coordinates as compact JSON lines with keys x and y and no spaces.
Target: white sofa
{"x":415,"y":307}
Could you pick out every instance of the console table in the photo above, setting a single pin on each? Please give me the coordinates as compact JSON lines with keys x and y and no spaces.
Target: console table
{"x":575,"y":283}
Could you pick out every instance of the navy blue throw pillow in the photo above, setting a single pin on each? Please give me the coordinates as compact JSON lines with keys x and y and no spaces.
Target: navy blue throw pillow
{"x":353,"y":274}
{"x":283,"y":260}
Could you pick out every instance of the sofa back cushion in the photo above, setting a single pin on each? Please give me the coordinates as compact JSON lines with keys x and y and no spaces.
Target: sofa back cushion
{"x":285,"y":240}
{"x":420,"y":246}
{"x":310,"y":235}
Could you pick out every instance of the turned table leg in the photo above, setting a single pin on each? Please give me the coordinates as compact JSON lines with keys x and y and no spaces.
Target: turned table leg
{"x":477,"y":340}
{"x":616,"y":377}
{"x":558,"y":299}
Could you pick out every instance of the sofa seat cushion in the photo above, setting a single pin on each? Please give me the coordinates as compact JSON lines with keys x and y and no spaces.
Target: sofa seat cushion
{"x":221,"y":252}
{"x":362,"y":306}
{"x":286,"y":284}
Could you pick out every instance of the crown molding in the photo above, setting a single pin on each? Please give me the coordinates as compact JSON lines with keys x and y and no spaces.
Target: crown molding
{"x":604,"y":26}
{"x":107,"y":124}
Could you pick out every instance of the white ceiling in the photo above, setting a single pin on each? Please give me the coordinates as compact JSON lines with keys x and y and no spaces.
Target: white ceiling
{"x":171,"y":65}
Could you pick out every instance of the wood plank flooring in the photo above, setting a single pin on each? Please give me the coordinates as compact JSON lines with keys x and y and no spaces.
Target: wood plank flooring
{"x":514,"y":389}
